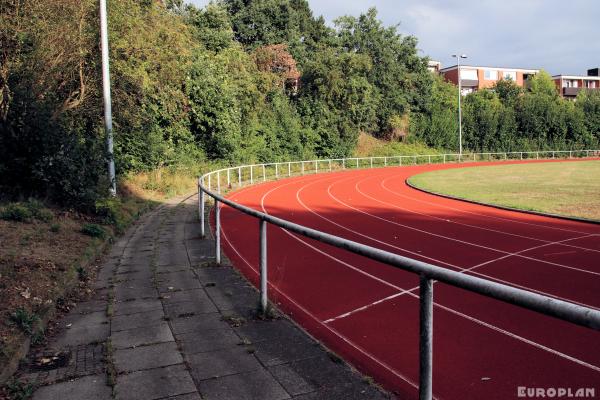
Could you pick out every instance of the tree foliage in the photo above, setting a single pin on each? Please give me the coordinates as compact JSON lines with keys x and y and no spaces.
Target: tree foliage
{"x":213,"y":84}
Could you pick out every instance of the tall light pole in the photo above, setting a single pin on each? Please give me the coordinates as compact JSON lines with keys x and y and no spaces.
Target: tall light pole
{"x":458,"y":57}
{"x":107,"y":98}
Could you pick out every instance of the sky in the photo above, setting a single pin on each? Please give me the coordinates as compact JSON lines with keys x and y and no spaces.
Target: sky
{"x":562,"y":37}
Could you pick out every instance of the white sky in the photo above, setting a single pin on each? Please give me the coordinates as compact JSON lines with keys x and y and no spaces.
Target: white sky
{"x":556,"y":35}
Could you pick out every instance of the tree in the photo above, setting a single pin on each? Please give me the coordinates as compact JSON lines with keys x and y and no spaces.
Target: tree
{"x":399,"y":75}
{"x":212,"y":26}
{"x":437,"y":124}
{"x":542,"y":84}
{"x":337,"y":100}
{"x":508,"y":91}
{"x":588,"y":102}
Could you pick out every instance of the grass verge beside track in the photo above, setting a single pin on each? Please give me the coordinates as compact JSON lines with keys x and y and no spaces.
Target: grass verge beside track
{"x":570,"y":188}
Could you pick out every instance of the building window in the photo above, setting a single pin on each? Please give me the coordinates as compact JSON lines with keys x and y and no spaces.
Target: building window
{"x":590,"y":84}
{"x":470,"y":74}
{"x":491,"y":75}
{"x":512,"y":75}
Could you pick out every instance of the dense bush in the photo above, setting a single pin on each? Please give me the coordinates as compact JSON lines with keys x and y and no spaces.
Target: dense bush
{"x":219,"y":85}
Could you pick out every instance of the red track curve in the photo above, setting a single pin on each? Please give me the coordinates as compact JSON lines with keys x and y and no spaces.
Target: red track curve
{"x":368,"y":312}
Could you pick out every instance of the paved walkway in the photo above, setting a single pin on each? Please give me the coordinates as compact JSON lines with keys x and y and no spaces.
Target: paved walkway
{"x":166,"y":323}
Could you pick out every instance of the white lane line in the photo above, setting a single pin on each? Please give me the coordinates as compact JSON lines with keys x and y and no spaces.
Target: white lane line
{"x":452,"y":221}
{"x":517,"y":221}
{"x":454,"y":239}
{"x":433,"y":260}
{"x":470,"y":318}
{"x":366,"y":307}
{"x":330,"y":329}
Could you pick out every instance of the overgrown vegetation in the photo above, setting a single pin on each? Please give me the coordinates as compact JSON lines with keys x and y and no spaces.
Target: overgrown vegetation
{"x":236,"y":81}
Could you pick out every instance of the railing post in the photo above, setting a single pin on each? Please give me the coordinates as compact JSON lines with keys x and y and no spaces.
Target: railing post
{"x":316,"y":166}
{"x":329,"y":165}
{"x":570,"y":154}
{"x":400,"y":161}
{"x":429,"y":159}
{"x":289,"y":169}
{"x":371,"y":162}
{"x":251,"y":175}
{"x":357,"y":163}
{"x":263,"y":266}
{"x":426,"y":338}
{"x":444,"y":159}
{"x":385,"y":161}
{"x":217,"y":233}
{"x":264,"y":170}
{"x":228,"y":177}
{"x":415,"y":160}
{"x":276,"y":171}
{"x":302,"y":162}
{"x":240,"y":176}
{"x":343,"y":163}
{"x":219,"y":181}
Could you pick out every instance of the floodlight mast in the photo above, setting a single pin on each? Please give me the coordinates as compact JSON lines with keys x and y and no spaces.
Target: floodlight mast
{"x":107,"y":98}
{"x":458,"y":57}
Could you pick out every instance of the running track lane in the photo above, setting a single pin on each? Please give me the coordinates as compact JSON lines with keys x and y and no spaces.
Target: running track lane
{"x":368,"y":312}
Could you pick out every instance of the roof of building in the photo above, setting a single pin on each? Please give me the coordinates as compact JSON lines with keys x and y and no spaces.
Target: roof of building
{"x":487,"y":67}
{"x":587,"y":77}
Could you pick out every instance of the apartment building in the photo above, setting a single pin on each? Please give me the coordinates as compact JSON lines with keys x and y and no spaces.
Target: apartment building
{"x":569,"y":86}
{"x":473,"y":78}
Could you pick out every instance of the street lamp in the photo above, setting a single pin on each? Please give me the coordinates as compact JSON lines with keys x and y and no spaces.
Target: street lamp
{"x":458,"y":57}
{"x":107,"y":99}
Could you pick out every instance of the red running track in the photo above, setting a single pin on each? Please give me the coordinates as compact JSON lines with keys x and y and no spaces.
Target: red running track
{"x":368,"y":312}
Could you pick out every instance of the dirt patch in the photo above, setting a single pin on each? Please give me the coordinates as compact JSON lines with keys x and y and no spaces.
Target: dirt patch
{"x":41,"y":263}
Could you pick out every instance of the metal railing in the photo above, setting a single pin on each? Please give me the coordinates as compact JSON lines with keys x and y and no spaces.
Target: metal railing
{"x":428,"y":273}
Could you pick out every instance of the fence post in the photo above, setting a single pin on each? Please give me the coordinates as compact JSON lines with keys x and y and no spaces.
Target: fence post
{"x":264,"y":170}
{"x":343,"y":163}
{"x":316,"y":166}
{"x":570,"y":154}
{"x":289,"y":169}
{"x":426,"y":338}
{"x":276,"y":171}
{"x":219,"y":182}
{"x":217,"y":233}
{"x":357,"y":163}
{"x":371,"y":162}
{"x":302,"y":162}
{"x":240,"y":176}
{"x":263,"y":266}
{"x":385,"y":161}
{"x":400,"y":161}
{"x":329,"y":165}
{"x":444,"y":159}
{"x":228,"y":177}
{"x":429,"y":157}
{"x":201,"y":206}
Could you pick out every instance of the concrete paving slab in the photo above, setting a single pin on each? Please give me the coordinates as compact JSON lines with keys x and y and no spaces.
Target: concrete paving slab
{"x":189,"y":309}
{"x":255,"y":385}
{"x":199,"y":342}
{"x":197,"y":295}
{"x":221,"y":363}
{"x":136,"y":306}
{"x":142,"y":336}
{"x":139,"y":320}
{"x":198,"y":323}
{"x":154,"y":384}
{"x":147,"y":357}
{"x":91,"y":387}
